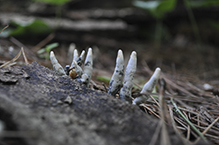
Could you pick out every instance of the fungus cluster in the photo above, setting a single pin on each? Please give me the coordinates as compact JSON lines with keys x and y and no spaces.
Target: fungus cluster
{"x":121,"y":82}
{"x":75,"y":71}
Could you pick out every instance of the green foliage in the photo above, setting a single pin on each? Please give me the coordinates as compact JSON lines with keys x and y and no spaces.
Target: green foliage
{"x":202,"y":3}
{"x":54,"y":2}
{"x":57,"y":3}
{"x":44,"y":52}
{"x":35,"y":27}
{"x":156,"y":8}
{"x":103,"y":79}
{"x":214,"y":25}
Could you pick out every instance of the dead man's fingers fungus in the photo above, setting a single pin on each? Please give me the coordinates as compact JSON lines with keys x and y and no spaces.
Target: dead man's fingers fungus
{"x":125,"y":92}
{"x":117,"y":77}
{"x":56,"y":66}
{"x":148,"y":87}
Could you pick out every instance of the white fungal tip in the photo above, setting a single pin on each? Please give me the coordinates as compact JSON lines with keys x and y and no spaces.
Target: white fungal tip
{"x":89,"y":58}
{"x":72,"y":46}
{"x":71,"y":51}
{"x":82,"y":53}
{"x":120,"y":59}
{"x":51,"y":53}
{"x":148,"y":87}
{"x":81,"y":58}
{"x":56,"y":66}
{"x":75,"y":57}
{"x":134,"y":55}
{"x":156,"y":74}
{"x":120,"y":54}
{"x":131,"y":66}
{"x":90,"y":51}
{"x":157,"y":71}
{"x":75,"y":54}
{"x":53,"y":58}
{"x":125,"y":92}
{"x":75,"y":51}
{"x":116,"y":80}
{"x":88,"y":67}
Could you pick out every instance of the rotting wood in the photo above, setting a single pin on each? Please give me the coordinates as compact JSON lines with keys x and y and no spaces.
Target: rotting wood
{"x":94,"y":117}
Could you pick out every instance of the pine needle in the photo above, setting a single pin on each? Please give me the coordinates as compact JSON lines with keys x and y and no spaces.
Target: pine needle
{"x":4,"y":28}
{"x":206,"y":130}
{"x":25,"y":58}
{"x":193,"y":127}
{"x":11,"y":61}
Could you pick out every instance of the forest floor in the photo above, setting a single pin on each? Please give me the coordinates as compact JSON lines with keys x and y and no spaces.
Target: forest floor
{"x":190,"y":70}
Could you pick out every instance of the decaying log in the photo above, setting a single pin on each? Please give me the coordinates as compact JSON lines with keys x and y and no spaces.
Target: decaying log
{"x":38,"y":107}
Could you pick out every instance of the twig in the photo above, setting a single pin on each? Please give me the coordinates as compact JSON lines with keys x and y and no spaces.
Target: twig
{"x":25,"y":58}
{"x":165,"y":139}
{"x":188,"y":128}
{"x":212,"y":136}
{"x":184,"y":104}
{"x":18,"y":43}
{"x":143,"y":105}
{"x":44,"y":42}
{"x":154,"y":100}
{"x":198,"y":119}
{"x":151,"y":95}
{"x":216,"y":129}
{"x":104,"y":87}
{"x":180,"y":122}
{"x":137,"y":85}
{"x":188,"y":110}
{"x":185,"y":142}
{"x":181,"y":114}
{"x":11,"y":61}
{"x":184,"y":125}
{"x":27,"y":50}
{"x":4,"y":28}
{"x":206,"y":130}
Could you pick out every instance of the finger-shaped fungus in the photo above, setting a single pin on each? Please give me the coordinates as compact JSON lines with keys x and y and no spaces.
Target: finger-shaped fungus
{"x":117,"y":77}
{"x":125,"y":92}
{"x":88,"y":68}
{"x":75,"y":57}
{"x":81,"y":58}
{"x":71,"y":52}
{"x":56,"y":66}
{"x":148,"y":87}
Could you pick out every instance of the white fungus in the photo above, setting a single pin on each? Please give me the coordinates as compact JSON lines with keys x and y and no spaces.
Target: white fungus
{"x":56,"y":66}
{"x":88,"y":68}
{"x":117,"y":77}
{"x":125,"y":92}
{"x":148,"y":87}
